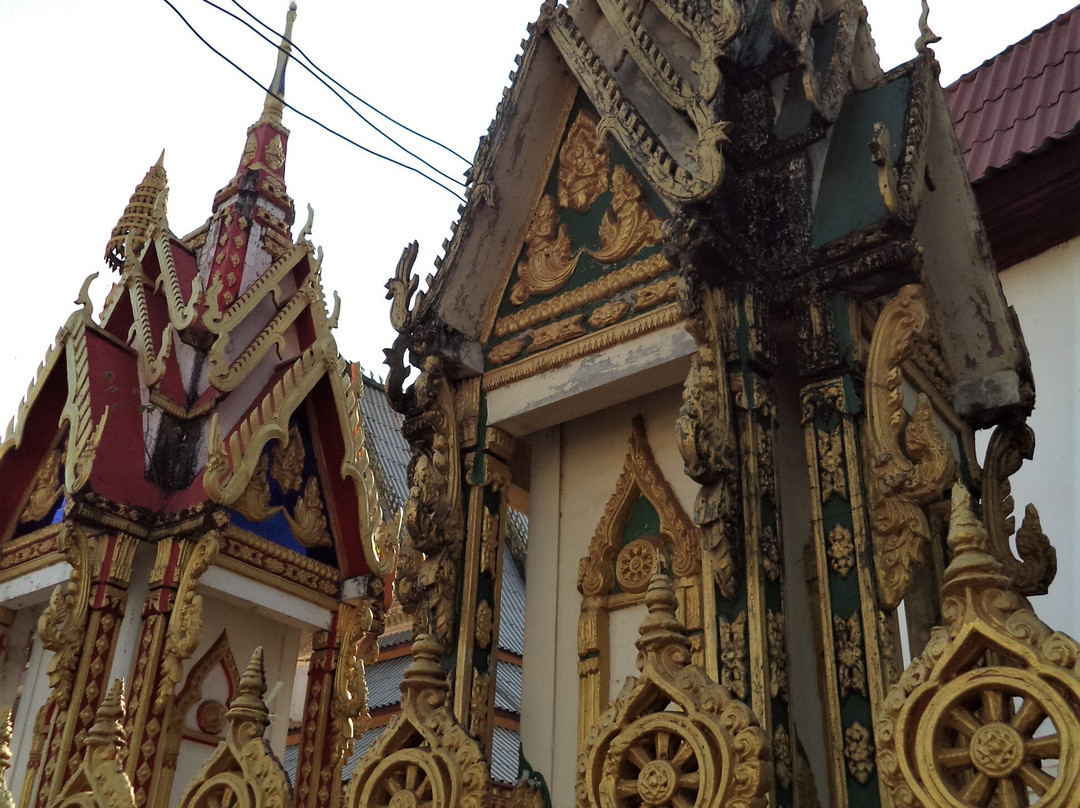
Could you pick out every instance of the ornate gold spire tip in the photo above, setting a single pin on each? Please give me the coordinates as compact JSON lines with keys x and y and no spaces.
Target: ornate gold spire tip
{"x":275,"y":98}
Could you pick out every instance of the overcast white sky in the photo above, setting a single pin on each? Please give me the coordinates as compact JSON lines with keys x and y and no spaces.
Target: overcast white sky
{"x":94,"y":90}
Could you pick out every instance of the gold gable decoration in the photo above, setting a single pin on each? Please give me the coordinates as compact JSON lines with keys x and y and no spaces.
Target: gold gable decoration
{"x":242,"y":771}
{"x":424,"y":757}
{"x":673,"y":736}
{"x":994,"y":701}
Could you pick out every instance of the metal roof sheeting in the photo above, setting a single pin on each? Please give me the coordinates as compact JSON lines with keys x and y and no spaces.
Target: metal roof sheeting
{"x":505,"y":749}
{"x":384,"y":681}
{"x":512,"y":612}
{"x":1023,"y":100}
{"x":508,"y":687}
{"x":363,"y":743}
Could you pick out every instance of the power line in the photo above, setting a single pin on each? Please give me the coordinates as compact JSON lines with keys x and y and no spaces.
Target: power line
{"x":304,"y":115}
{"x":322,"y":81}
{"x":349,"y":92}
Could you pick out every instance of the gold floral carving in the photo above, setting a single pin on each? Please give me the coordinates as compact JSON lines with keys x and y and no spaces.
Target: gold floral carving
{"x":1036,"y":567}
{"x":991,"y":709}
{"x":433,"y":514}
{"x":254,"y":503}
{"x":696,"y":171}
{"x":505,"y":351}
{"x":602,"y":288}
{"x":705,"y":431}
{"x":423,"y":755}
{"x":100,"y":781}
{"x":484,"y":624}
{"x":84,"y":434}
{"x":481,"y":695}
{"x":776,"y":638}
{"x":251,"y":146}
{"x":242,"y":771}
{"x":655,"y":293}
{"x":673,"y":736}
{"x":859,"y":752}
{"x":841,"y":550}
{"x":629,"y":224}
{"x":308,"y":522}
{"x":275,"y":153}
{"x":583,"y":165}
{"x":63,"y":622}
{"x":609,"y":313}
{"x":733,"y":655}
{"x":831,"y":464}
{"x":185,"y":621}
{"x":782,"y":763}
{"x":549,"y":260}
{"x":45,"y":489}
{"x":554,"y":333}
{"x":850,"y":665}
{"x":489,"y":543}
{"x":640,"y":476}
{"x":910,"y":462}
{"x":288,"y":466}
{"x":635,"y":565}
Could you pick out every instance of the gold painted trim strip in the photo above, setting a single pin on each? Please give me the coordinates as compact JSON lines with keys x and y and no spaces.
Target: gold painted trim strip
{"x":593,"y":343}
{"x":601,"y":288}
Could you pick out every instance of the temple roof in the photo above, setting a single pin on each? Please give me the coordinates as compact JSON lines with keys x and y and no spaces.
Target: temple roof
{"x":1021,"y":101}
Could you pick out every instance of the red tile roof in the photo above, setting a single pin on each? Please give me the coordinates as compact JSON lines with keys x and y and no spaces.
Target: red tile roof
{"x":1024,"y":99}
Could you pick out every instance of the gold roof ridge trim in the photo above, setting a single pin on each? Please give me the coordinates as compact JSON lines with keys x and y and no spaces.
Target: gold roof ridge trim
{"x":151,"y":366}
{"x":181,"y":314}
{"x":620,"y":117}
{"x":588,"y":344}
{"x":965,"y":723}
{"x":721,"y":756}
{"x":220,"y":322}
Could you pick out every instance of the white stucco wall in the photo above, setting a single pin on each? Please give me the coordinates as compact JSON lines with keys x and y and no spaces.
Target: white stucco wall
{"x":1045,"y":291}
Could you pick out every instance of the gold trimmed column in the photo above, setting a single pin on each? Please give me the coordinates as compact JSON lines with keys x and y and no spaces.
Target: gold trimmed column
{"x":857,"y":642}
{"x":80,"y":626}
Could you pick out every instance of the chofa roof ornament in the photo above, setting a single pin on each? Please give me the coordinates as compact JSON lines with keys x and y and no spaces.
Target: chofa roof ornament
{"x":672,"y":131}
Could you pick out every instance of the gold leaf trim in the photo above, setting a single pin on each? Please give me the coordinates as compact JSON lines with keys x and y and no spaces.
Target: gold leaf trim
{"x":628,"y":225}
{"x":592,"y":343}
{"x":583,"y":165}
{"x":591,"y":292}
{"x":549,"y":261}
{"x":554,"y":333}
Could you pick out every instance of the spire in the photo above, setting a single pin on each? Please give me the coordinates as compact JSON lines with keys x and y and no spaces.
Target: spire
{"x":144,"y":209}
{"x":275,"y":98}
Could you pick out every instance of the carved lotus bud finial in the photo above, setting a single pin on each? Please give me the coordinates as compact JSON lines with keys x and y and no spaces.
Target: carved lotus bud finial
{"x":969,"y":543}
{"x":248,"y":704}
{"x":108,"y":727}
{"x":663,"y":638}
{"x":425,"y":677}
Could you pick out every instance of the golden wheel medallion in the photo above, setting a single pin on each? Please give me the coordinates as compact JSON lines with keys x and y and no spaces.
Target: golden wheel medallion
{"x":659,"y":765}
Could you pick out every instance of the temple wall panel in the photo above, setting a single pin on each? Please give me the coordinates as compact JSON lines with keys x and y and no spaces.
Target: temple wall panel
{"x":575,"y":468}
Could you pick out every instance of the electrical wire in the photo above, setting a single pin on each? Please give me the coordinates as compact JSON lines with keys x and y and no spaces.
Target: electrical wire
{"x":341,"y":98}
{"x":349,"y":92}
{"x":304,"y":115}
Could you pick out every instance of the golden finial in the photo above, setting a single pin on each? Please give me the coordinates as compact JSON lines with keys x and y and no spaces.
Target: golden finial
{"x":926,"y":36}
{"x":424,"y":679}
{"x":275,"y":98}
{"x":108,"y":727}
{"x":663,"y":638}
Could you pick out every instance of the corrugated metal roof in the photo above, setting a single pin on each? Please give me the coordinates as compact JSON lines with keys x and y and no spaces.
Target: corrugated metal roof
{"x":1024,"y":99}
{"x":288,"y":762}
{"x":508,"y":687}
{"x":384,"y":681}
{"x":391,"y":452}
{"x":512,"y":618}
{"x":505,"y":749}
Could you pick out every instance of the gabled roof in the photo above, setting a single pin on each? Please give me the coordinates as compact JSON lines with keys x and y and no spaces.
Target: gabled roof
{"x":1022,"y":100}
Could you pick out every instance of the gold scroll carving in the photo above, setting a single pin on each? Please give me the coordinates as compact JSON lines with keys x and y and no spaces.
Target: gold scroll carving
{"x":45,"y":489}
{"x":424,"y":757}
{"x":242,"y":771}
{"x":1036,"y":567}
{"x":629,"y":224}
{"x":910,"y":462}
{"x":349,"y":700}
{"x":308,"y":522}
{"x":583,"y":165}
{"x":289,"y":461}
{"x":6,"y":799}
{"x":549,"y":261}
{"x":673,"y":736}
{"x":991,"y":710}
{"x":100,"y":781}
